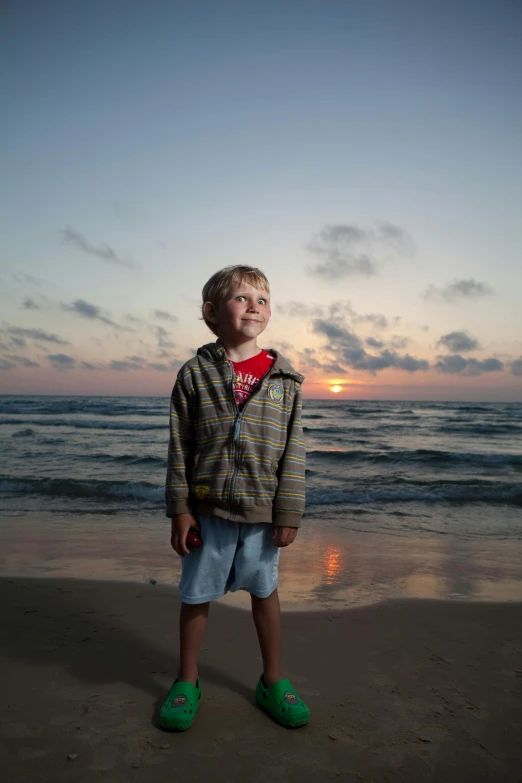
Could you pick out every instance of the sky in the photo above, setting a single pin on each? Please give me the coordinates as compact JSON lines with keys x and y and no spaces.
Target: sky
{"x":366,"y":155}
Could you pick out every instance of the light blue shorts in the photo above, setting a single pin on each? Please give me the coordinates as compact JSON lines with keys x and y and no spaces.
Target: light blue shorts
{"x":234,"y":556}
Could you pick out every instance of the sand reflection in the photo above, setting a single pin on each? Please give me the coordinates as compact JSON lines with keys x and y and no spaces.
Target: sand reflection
{"x":325,"y":568}
{"x":333,"y":564}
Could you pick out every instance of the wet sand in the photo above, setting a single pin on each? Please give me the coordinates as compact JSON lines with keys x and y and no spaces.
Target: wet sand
{"x":402,"y":690}
{"x":327,"y":567}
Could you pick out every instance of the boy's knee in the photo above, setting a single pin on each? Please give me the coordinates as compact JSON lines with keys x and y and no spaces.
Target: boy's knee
{"x":261,"y":600}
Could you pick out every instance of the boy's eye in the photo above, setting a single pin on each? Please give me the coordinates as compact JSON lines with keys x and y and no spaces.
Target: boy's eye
{"x":242,"y":298}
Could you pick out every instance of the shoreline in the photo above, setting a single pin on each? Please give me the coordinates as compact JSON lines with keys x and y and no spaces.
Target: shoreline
{"x":327,"y":568}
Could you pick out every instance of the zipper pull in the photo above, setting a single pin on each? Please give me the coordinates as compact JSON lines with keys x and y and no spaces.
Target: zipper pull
{"x":237,"y":427}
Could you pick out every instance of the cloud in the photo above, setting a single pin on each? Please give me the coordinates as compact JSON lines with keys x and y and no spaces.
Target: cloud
{"x":163,"y":337}
{"x":128,"y":363}
{"x":338,"y":310}
{"x":6,"y":365}
{"x":459,"y":289}
{"x":138,"y":363}
{"x":19,"y":334}
{"x":158,"y":366}
{"x":458,"y":342}
{"x":346,"y":250}
{"x":371,"y":342}
{"x":307,"y":360}
{"x":380,"y":321}
{"x":398,"y":341}
{"x":87,"y":310}
{"x":282,"y":345}
{"x":29,"y":304}
{"x":299,"y":310}
{"x":90,"y":366}
{"x":335,"y":246}
{"x":61,"y":361}
{"x":22,"y":360}
{"x":395,"y":237}
{"x":103,"y":250}
{"x":123,"y":366}
{"x":21,"y":277}
{"x":165,"y":316}
{"x":516,"y":366}
{"x":134,"y":320}
{"x":348,"y":350}
{"x":458,"y":365}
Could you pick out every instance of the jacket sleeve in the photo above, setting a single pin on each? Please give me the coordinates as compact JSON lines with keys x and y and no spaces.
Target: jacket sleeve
{"x":289,"y":501}
{"x":182,"y":446}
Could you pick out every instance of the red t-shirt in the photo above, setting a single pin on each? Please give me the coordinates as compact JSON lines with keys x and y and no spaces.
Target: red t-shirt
{"x":248,"y":375}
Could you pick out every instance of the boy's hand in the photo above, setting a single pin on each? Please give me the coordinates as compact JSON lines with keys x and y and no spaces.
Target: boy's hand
{"x":284,"y":535}
{"x":181,"y":525}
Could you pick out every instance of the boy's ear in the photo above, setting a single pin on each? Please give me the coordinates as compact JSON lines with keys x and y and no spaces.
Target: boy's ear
{"x":209,"y":312}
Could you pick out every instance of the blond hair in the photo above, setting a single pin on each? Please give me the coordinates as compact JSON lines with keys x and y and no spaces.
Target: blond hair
{"x":220,"y":285}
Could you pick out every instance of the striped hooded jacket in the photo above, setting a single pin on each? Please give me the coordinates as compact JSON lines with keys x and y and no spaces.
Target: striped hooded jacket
{"x":245,"y":465}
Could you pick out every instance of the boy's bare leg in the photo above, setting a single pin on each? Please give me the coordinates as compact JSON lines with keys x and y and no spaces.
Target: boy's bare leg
{"x":192,"y":624}
{"x":267,"y":618}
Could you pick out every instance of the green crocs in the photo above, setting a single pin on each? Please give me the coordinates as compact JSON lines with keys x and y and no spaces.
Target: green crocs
{"x":180,"y":707}
{"x":282,"y":703}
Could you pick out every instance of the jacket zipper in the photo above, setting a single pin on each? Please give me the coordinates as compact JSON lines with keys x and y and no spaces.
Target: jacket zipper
{"x":237,"y":429}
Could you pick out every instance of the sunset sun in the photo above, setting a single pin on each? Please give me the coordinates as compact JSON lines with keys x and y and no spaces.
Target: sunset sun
{"x":336,"y":389}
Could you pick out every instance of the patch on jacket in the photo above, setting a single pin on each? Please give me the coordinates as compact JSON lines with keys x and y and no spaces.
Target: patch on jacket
{"x":201,"y":491}
{"x":275,"y":393}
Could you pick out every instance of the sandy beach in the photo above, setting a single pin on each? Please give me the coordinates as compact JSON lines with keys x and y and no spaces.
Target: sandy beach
{"x":401,"y":689}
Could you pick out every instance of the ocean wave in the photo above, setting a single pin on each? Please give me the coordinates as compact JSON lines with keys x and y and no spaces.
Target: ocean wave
{"x":27,"y":433}
{"x":98,"y":406}
{"x":91,"y":424}
{"x":477,"y":429}
{"x":420,"y":456}
{"x":127,"y":459}
{"x":454,"y":494}
{"x":71,"y":488}
{"x":338,"y":432}
{"x":333,"y":430}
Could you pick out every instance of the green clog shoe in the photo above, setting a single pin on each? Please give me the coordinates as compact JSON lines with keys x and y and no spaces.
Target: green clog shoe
{"x":282,"y":703}
{"x":180,"y":707}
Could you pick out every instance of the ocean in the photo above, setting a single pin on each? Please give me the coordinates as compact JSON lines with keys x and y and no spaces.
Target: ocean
{"x":398,"y":468}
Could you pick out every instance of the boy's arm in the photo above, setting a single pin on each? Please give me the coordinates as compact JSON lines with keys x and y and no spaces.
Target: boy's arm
{"x":289,"y":501}
{"x":181,"y":448}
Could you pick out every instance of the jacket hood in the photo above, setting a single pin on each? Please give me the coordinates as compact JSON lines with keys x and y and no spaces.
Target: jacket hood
{"x":215,"y":352}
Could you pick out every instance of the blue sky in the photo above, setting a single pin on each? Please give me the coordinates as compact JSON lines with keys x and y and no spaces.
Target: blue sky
{"x":365,"y":155}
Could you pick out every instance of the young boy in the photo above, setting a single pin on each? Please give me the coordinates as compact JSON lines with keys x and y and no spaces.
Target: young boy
{"x":236,"y":474}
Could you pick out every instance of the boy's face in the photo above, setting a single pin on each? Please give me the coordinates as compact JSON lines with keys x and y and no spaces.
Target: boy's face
{"x":242,"y":315}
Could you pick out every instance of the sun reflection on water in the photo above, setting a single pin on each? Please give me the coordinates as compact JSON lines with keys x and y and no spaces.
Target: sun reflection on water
{"x":332,"y":564}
